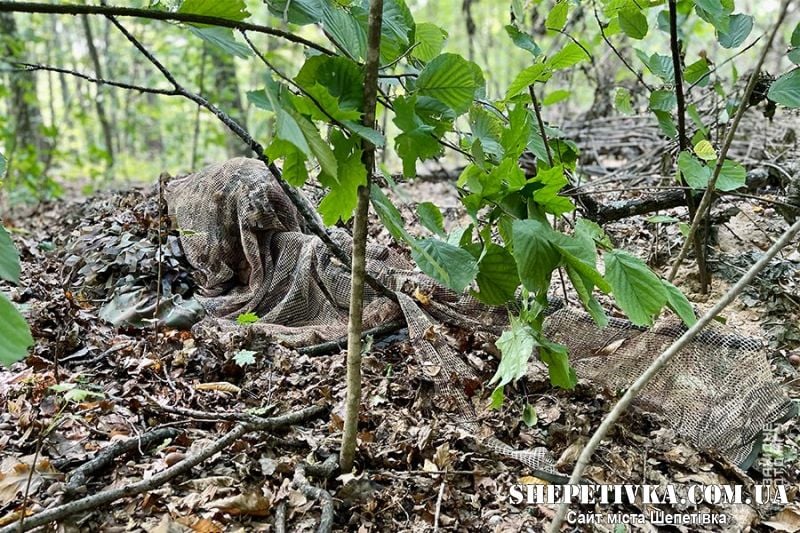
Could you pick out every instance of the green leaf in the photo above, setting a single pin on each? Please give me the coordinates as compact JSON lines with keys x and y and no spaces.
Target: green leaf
{"x":555,"y":97}
{"x":431,"y":218}
{"x":557,"y":17}
{"x":557,"y":360}
{"x":497,"y":276}
{"x":296,"y":11}
{"x":2,"y":165}
{"x":389,"y":215}
{"x":679,"y":304}
{"x":488,"y":129}
{"x":516,"y":347}
{"x":738,"y":29}
{"x":9,"y":258}
{"x":793,"y":55}
{"x":732,"y":175}
{"x":497,"y":398}
{"x":450,"y":265}
{"x":346,"y":26}
{"x":247,"y":318}
{"x":222,"y":38}
{"x":430,"y":40}
{"x":694,"y":173}
{"x":245,"y":357}
{"x":523,"y":40}
{"x":373,"y":136}
{"x":637,"y":290}
{"x":326,"y":77}
{"x":705,"y":150}
{"x":795,"y":39}
{"x":663,"y":100}
{"x":633,"y":23}
{"x":529,"y":415}
{"x":452,"y":80}
{"x":622,"y":101}
{"x":697,"y":71}
{"x":535,"y":255}
{"x":417,"y":140}
{"x":397,"y":30}
{"x":15,"y":336}
{"x":341,"y":200}
{"x":570,"y":55}
{"x":229,"y":9}
{"x":525,"y":78}
{"x":786,"y":89}
{"x":658,"y":64}
{"x":553,"y":180}
{"x":661,"y":219}
{"x":666,"y":123}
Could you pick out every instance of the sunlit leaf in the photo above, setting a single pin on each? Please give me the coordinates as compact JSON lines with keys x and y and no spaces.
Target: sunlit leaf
{"x":633,"y":23}
{"x":430,"y":40}
{"x":705,"y":150}
{"x":637,"y":290}
{"x":450,"y":79}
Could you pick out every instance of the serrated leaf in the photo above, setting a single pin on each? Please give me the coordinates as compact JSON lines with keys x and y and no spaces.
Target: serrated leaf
{"x":229,"y":9}
{"x":694,"y":173}
{"x":245,"y":357}
{"x":525,"y":78}
{"x":637,"y":290}
{"x":732,"y":175}
{"x":430,"y":40}
{"x":15,"y":336}
{"x":786,"y":89}
{"x":705,"y":150}
{"x":516,"y":347}
{"x":557,"y":360}
{"x":535,"y":255}
{"x":557,"y":17}
{"x":570,"y":55}
{"x":666,"y":123}
{"x":431,"y":218}
{"x":663,"y":100}
{"x":222,"y":38}
{"x":739,"y":27}
{"x":679,"y":304}
{"x":487,"y":129}
{"x":523,"y":40}
{"x":9,"y":258}
{"x":622,"y":101}
{"x":417,"y":140}
{"x":389,"y":215}
{"x":450,"y":265}
{"x":696,"y":71}
{"x":397,"y":30}
{"x":451,"y":79}
{"x":633,"y":23}
{"x":341,"y":200}
{"x":497,"y":276}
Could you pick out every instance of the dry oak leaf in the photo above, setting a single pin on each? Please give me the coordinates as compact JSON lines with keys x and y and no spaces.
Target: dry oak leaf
{"x":14,"y":474}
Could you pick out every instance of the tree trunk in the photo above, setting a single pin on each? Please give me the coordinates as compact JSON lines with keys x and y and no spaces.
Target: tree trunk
{"x":105,"y":124}
{"x":358,"y":267}
{"x":228,"y":97}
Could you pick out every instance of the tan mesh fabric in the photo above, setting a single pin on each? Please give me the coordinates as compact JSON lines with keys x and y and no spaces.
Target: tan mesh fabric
{"x":246,"y":240}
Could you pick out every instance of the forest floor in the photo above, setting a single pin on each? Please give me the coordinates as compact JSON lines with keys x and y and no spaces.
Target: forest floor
{"x":414,"y":467}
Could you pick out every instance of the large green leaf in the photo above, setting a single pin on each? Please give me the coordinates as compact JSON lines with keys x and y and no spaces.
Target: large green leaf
{"x":430,"y":40}
{"x":450,"y":265}
{"x":342,"y":198}
{"x":417,"y":140}
{"x":535,"y":255}
{"x":222,"y":38}
{"x":516,"y":346}
{"x":526,"y":77}
{"x":227,"y":9}
{"x":557,"y":17}
{"x":732,"y":175}
{"x":450,"y":79}
{"x":679,"y":304}
{"x":637,"y":290}
{"x":570,"y":55}
{"x":389,"y":215}
{"x":523,"y":40}
{"x":346,"y":27}
{"x":497,"y":276}
{"x":339,"y":76}
{"x":9,"y":258}
{"x":15,"y":336}
{"x":633,"y":23}
{"x":397,"y":30}
{"x":786,"y":89}
{"x":488,"y":129}
{"x":431,"y":218}
{"x":694,"y":173}
{"x":295,"y":11}
{"x":738,"y":29}
{"x":557,"y":360}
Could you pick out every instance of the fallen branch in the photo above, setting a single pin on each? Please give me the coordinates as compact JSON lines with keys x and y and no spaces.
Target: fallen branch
{"x":106,"y":497}
{"x":378,"y":332}
{"x":663,"y":359}
{"x":310,"y":491}
{"x":104,"y":458}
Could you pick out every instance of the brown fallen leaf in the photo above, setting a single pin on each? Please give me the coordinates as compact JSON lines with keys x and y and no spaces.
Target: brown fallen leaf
{"x":248,"y":503}
{"x":222,"y":386}
{"x":14,"y":474}
{"x":787,"y":520}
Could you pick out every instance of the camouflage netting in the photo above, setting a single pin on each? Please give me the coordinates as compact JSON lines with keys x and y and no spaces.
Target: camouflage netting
{"x":247,"y":242}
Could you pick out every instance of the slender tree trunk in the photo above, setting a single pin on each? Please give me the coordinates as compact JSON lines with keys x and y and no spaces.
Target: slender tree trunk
{"x":201,"y":89}
{"x":105,"y":124}
{"x":360,"y":222}
{"x":228,"y":97}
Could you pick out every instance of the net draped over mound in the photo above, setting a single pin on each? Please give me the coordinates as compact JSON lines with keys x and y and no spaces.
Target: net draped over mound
{"x":247,"y":242}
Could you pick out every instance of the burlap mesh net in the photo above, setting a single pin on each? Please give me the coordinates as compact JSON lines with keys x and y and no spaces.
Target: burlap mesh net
{"x":247,"y":242}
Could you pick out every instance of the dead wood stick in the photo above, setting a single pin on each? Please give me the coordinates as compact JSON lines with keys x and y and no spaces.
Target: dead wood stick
{"x":106,"y":497}
{"x":438,"y":507}
{"x":663,"y":359}
{"x":310,"y":491}
{"x":378,"y":332}
{"x":104,"y":458}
